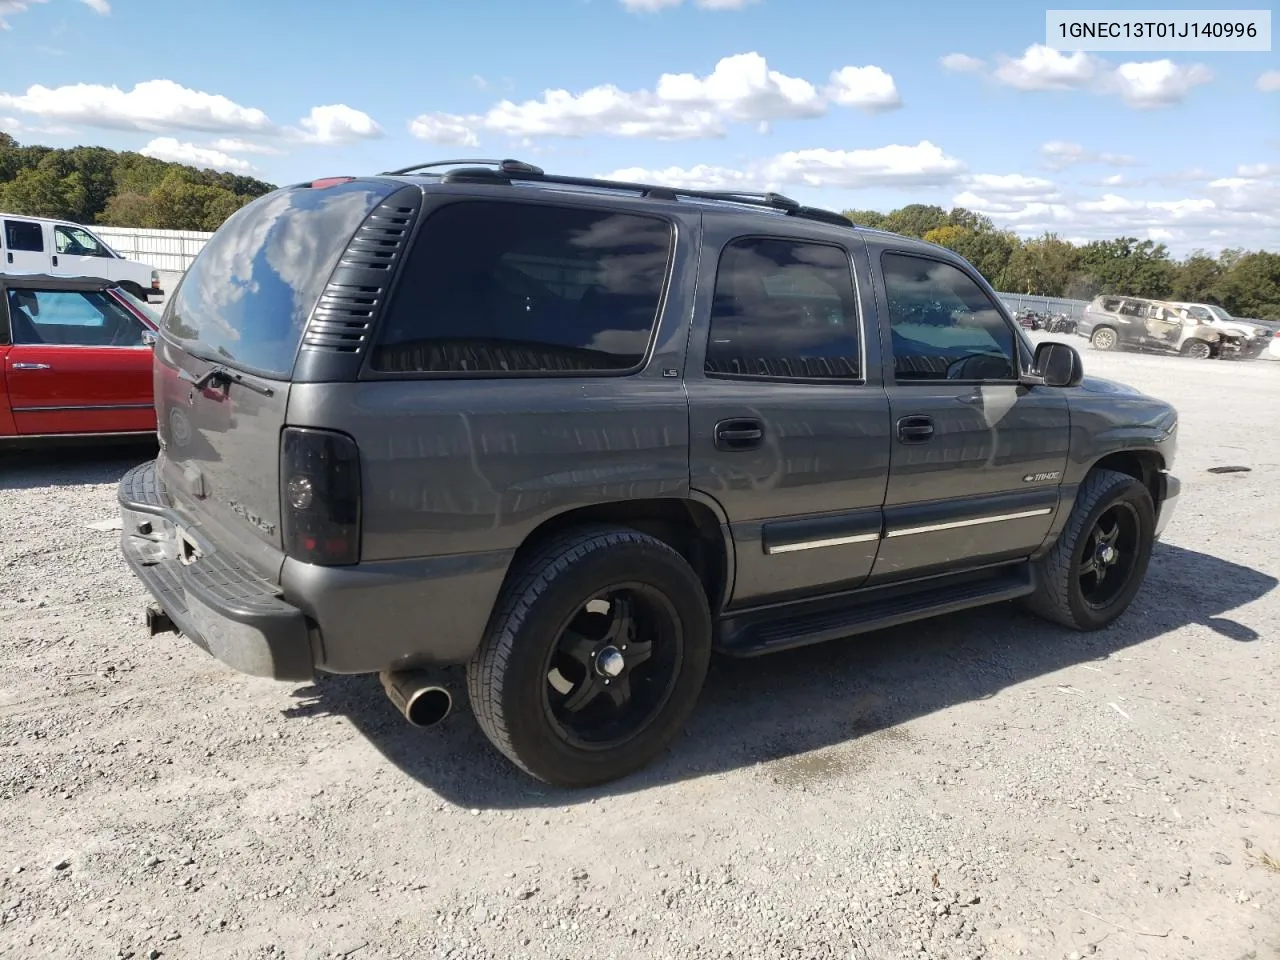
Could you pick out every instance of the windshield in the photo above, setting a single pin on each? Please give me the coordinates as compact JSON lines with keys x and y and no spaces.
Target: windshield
{"x":140,"y":305}
{"x":1220,"y":313}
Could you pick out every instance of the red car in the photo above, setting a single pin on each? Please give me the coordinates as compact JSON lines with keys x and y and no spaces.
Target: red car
{"x":75,"y":360}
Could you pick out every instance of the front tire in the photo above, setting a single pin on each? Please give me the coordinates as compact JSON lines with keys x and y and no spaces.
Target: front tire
{"x":1197,"y":350}
{"x":594,"y":657}
{"x":1099,"y":563}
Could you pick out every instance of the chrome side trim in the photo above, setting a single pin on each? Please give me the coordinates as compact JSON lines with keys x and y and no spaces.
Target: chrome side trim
{"x":976,"y":521}
{"x":825,"y":542}
{"x":84,"y":406}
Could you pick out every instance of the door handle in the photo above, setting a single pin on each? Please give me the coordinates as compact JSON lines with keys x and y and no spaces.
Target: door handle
{"x":740,"y":434}
{"x":55,"y":259}
{"x":915,"y":429}
{"x":9,"y":257}
{"x":30,"y":366}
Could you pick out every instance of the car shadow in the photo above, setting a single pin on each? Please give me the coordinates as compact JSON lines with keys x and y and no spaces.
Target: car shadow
{"x":778,"y":708}
{"x":90,"y":461}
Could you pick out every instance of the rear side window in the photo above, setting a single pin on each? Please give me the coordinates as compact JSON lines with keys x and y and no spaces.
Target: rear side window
{"x":492,"y":288}
{"x":246,"y":298}
{"x":23,"y":236}
{"x":783,"y":309}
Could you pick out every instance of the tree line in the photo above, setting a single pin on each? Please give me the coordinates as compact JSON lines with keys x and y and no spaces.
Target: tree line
{"x":117,"y":188}
{"x":1246,"y":283}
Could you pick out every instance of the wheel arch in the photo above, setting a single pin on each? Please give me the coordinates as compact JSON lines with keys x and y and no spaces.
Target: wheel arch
{"x":693,"y":528}
{"x":1145,"y":466}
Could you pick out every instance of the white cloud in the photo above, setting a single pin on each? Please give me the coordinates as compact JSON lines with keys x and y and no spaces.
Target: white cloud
{"x":336,"y":123}
{"x":1269,"y":82}
{"x":654,"y":6}
{"x":681,"y":106}
{"x":480,"y":82}
{"x":102,"y":7}
{"x":9,"y":7}
{"x":236,"y":145}
{"x":1012,"y":185}
{"x":206,"y":158}
{"x":1143,"y":85}
{"x":1058,"y":154}
{"x":1242,"y":210}
{"x":1043,"y":68}
{"x":153,"y":106}
{"x":867,"y":87}
{"x":895,"y":165}
{"x":444,"y":129}
{"x":962,"y":63}
{"x":1158,"y":83}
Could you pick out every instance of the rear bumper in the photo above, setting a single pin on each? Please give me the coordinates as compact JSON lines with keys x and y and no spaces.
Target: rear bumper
{"x":155,"y":295}
{"x":224,"y":609}
{"x":1172,"y":489}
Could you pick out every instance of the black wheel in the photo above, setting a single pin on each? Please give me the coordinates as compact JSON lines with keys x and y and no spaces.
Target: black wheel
{"x":594,"y":657}
{"x":1197,"y":350}
{"x":1104,"y":338}
{"x":1097,"y":566}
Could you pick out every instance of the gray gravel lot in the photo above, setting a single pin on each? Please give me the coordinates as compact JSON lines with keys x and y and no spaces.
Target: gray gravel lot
{"x":980,"y":786}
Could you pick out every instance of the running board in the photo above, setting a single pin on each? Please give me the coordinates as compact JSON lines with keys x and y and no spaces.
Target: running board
{"x":750,"y":633}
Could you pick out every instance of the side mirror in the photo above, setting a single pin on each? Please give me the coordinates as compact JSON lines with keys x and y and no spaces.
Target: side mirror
{"x":148,"y":338}
{"x":1056,"y":365}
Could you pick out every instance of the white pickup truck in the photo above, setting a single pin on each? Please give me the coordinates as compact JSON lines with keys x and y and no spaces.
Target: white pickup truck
{"x":62,"y":249}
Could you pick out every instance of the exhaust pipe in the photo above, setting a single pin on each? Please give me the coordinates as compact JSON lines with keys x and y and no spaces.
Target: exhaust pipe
{"x":422,"y":702}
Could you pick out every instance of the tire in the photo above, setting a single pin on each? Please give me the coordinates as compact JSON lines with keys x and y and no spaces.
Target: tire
{"x":1197,"y":350}
{"x":510,"y":678}
{"x":1104,"y":338}
{"x":1061,"y":594}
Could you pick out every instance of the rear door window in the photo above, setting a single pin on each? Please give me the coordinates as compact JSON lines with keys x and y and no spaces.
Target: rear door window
{"x":783,"y":309}
{"x":493,"y":288}
{"x":246,"y":298}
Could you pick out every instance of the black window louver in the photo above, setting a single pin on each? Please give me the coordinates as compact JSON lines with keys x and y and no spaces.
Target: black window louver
{"x":355,"y":293}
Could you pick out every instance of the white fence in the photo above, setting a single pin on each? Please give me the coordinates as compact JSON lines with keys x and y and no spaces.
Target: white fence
{"x":169,"y":250}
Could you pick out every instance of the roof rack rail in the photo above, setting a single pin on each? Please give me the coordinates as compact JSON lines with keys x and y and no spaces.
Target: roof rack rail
{"x":507,"y":171}
{"x":504,"y":166}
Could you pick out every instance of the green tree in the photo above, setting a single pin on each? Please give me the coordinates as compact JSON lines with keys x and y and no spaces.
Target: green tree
{"x":1129,"y":266}
{"x":1197,"y":277}
{"x":1251,"y":287}
{"x":866,"y":218}
{"x":915,"y":219}
{"x":1043,"y":267}
{"x":37,"y":193}
{"x":990,"y":251}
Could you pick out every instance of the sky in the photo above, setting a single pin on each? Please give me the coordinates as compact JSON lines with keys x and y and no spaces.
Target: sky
{"x":836,"y":103}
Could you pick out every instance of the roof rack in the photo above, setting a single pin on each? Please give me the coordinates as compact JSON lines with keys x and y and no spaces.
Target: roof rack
{"x":507,"y":171}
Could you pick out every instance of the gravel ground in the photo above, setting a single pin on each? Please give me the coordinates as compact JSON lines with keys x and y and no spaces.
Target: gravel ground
{"x":980,"y":786}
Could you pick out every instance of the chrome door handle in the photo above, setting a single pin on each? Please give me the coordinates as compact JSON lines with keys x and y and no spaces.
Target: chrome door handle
{"x":30,"y":366}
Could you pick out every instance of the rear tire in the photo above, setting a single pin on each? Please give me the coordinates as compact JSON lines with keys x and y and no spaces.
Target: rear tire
{"x":553,"y":684}
{"x":1099,"y":563}
{"x":1104,"y":338}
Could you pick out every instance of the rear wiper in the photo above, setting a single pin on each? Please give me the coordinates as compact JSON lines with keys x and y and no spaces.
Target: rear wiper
{"x":222,"y":374}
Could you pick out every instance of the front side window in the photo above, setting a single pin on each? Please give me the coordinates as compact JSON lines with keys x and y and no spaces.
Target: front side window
{"x":784,"y":309}
{"x":24,"y":236}
{"x":944,"y":327}
{"x":75,"y":242}
{"x":494,"y":288}
{"x":69,"y":318}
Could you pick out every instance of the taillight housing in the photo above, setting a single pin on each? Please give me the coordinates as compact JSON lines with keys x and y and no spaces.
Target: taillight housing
{"x":320,"y":496}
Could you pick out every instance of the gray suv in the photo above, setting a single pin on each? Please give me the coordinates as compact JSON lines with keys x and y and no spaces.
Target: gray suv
{"x":578,"y":435}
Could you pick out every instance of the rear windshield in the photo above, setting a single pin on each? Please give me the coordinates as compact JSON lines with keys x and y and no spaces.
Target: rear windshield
{"x":247,"y":296}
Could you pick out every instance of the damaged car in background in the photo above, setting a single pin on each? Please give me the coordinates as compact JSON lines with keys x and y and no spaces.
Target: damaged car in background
{"x":1136,"y":323}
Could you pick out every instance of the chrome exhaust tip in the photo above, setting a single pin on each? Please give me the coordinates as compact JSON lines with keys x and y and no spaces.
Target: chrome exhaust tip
{"x":422,"y":703}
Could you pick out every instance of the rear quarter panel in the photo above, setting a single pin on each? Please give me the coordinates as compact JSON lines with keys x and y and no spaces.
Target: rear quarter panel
{"x":7,"y":426}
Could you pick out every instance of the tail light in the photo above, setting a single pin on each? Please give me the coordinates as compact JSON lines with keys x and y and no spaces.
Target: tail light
{"x":320,"y":496}
{"x":155,"y":279}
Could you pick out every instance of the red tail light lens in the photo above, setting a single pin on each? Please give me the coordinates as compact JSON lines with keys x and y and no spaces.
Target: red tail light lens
{"x":320,"y":496}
